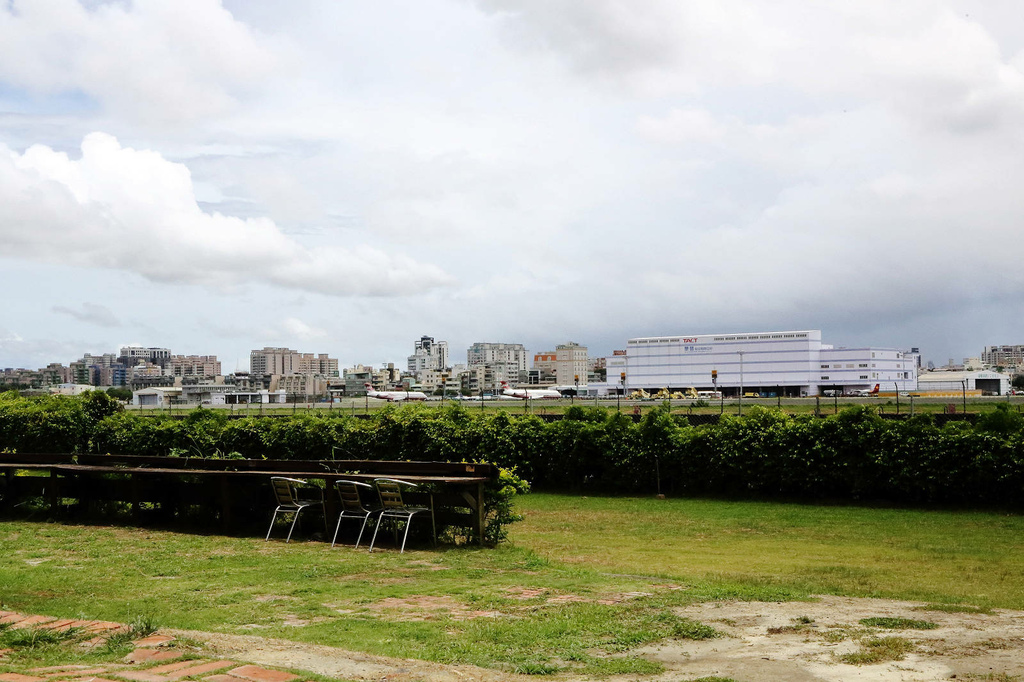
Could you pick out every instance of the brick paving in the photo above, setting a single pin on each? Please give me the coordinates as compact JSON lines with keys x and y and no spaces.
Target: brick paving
{"x":152,"y":660}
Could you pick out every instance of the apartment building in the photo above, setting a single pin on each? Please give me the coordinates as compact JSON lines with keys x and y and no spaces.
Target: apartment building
{"x":428,"y":355}
{"x":270,"y":361}
{"x":570,"y":364}
{"x":502,"y":362}
{"x":129,"y":356}
{"x":193,"y":366}
{"x":1003,"y":356}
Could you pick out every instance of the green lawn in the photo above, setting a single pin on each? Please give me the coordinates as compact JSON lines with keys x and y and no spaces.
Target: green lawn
{"x":584,"y":577}
{"x":944,"y":556}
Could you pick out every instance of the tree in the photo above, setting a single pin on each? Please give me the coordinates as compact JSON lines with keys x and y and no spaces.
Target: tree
{"x":120,"y":393}
{"x":1018,"y":381}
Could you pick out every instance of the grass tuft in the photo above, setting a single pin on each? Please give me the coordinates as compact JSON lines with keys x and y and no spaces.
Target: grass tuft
{"x":956,"y":608}
{"x":142,"y":626}
{"x":890,"y":623}
{"x":34,"y":638}
{"x":879,"y":650}
{"x":691,"y":629}
{"x":534,"y":668}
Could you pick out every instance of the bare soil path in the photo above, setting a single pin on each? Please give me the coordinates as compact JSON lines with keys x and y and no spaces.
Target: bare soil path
{"x":806,"y":641}
{"x":818,"y":641}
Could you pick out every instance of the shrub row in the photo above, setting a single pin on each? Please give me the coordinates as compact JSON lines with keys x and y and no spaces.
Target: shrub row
{"x":766,"y":453}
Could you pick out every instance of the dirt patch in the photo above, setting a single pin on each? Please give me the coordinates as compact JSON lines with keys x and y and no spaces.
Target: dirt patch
{"x":524,"y":593}
{"x":339,"y":663}
{"x":805,"y":641}
{"x":424,"y":607}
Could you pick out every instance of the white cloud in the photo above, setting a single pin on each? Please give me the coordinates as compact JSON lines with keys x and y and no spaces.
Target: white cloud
{"x":132,"y":210}
{"x":296,"y":328}
{"x":682,"y":125}
{"x":168,"y":60}
{"x":91,"y":313}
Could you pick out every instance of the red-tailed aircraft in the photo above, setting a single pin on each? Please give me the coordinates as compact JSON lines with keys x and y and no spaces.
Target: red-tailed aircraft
{"x":865,"y":392}
{"x":533,"y":393}
{"x":394,"y":396}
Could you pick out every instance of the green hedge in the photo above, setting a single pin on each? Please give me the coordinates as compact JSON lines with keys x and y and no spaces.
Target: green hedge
{"x":766,"y":453}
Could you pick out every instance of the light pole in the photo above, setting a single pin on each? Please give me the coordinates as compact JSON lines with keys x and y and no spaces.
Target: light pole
{"x":618,"y":395}
{"x":741,"y":382}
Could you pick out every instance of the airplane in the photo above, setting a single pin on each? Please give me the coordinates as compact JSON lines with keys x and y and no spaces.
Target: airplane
{"x":394,"y":396}
{"x":523,"y":393}
{"x":866,"y":392}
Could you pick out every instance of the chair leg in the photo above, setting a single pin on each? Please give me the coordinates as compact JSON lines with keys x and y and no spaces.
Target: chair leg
{"x":405,"y":536}
{"x":366,"y":519}
{"x":336,"y":528}
{"x":272,"y":519}
{"x":294,"y":521}
{"x":380,"y":522}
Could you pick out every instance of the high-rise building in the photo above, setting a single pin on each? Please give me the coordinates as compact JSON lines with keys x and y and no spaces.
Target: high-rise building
{"x":570,"y":364}
{"x":1003,"y":356}
{"x":130,"y":356}
{"x":271,"y":361}
{"x":428,"y":354}
{"x":502,"y":361}
{"x":193,"y":366}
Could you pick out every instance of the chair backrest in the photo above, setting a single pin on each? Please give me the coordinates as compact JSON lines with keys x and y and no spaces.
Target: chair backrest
{"x":390,"y":492}
{"x":284,"y":489}
{"x":349,"y":493}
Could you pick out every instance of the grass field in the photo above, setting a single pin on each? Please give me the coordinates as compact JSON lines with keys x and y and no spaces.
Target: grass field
{"x":945,"y":556}
{"x":584,"y":577}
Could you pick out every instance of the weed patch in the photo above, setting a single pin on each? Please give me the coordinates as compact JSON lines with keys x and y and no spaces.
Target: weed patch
{"x":879,"y":650}
{"x":955,"y":608}
{"x":889,"y":623}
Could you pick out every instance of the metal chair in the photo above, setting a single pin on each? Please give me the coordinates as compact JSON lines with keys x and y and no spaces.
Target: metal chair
{"x":289,"y":502}
{"x":394,"y":507}
{"x":352,"y":506}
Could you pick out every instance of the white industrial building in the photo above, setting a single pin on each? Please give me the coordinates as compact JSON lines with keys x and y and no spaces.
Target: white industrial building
{"x":787,"y":363}
{"x":955,"y":384}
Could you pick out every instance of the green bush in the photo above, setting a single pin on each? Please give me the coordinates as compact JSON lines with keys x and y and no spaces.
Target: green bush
{"x":853,"y":455}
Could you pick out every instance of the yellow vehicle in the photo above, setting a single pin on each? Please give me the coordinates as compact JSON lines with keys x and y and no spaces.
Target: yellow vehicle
{"x":751,"y":395}
{"x":639,"y":394}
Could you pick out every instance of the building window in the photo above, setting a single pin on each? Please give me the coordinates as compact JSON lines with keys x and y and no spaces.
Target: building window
{"x":863,"y":376}
{"x":824,"y":378}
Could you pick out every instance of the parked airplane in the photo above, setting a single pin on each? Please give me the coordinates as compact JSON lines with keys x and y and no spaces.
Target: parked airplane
{"x":523,"y":393}
{"x":394,"y":396}
{"x":866,"y":392}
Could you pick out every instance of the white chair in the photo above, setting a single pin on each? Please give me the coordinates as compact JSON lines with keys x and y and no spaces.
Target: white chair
{"x":352,"y":507}
{"x":288,"y":502}
{"x":394,"y":507}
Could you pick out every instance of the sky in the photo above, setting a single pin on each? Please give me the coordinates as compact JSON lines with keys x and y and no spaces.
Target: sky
{"x":214,"y":176}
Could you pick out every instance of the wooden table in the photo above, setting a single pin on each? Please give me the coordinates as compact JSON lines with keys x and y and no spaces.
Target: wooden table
{"x":468,"y":485}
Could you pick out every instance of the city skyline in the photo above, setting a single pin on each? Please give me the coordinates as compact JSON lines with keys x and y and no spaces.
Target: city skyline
{"x":221,"y":175}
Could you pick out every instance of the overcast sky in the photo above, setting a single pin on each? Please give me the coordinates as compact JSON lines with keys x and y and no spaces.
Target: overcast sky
{"x":215,"y":176}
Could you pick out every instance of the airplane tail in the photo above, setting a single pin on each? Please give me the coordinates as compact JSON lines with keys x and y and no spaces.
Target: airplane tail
{"x":875,"y":389}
